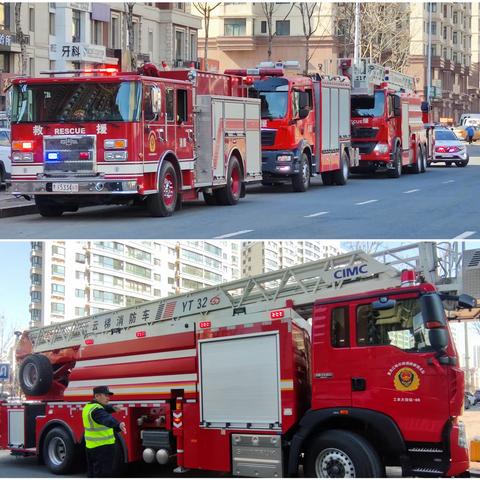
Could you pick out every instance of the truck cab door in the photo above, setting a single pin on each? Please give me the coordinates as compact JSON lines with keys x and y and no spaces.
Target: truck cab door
{"x":153,"y":117}
{"x":395,"y":369}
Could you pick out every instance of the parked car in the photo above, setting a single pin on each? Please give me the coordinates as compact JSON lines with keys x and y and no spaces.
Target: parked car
{"x":477,"y":396}
{"x":5,"y":154}
{"x":469,"y":400}
{"x":449,"y":149}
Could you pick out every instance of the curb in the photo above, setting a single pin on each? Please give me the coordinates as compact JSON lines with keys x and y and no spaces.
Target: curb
{"x":17,"y":210}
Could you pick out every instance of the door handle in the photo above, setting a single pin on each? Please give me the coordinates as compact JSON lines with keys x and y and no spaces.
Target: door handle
{"x":359,"y":384}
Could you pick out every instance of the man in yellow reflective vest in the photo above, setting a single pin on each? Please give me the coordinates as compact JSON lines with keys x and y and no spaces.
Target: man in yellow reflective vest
{"x":100,"y":427}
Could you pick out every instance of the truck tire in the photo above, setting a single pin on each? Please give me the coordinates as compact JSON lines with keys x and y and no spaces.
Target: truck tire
{"x":36,"y":375}
{"x":3,"y":177}
{"x":230,"y":193}
{"x":301,"y":181}
{"x":424,"y":159}
{"x":396,"y":172}
{"x":47,"y":207}
{"x":417,"y":166}
{"x":340,"y":177}
{"x":327,"y":178}
{"x":164,"y":202}
{"x":339,"y":453}
{"x":59,"y":451}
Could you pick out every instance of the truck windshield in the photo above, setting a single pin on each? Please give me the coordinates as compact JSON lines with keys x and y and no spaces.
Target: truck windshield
{"x":76,"y":102}
{"x":368,"y":106}
{"x":273,"y":95}
{"x":401,"y":326}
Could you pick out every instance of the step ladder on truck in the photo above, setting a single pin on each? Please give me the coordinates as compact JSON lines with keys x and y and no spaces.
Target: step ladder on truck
{"x":305,"y":124}
{"x":390,"y":122}
{"x":333,"y":366}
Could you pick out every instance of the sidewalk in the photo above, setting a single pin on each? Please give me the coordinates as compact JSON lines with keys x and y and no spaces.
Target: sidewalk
{"x":12,"y":207}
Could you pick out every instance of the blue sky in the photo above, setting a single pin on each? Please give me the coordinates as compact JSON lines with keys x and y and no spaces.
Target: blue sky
{"x":14,"y":284}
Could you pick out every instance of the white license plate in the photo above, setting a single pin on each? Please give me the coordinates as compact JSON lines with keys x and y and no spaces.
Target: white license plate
{"x":64,"y":187}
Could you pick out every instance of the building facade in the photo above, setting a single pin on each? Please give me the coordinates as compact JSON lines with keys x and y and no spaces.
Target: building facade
{"x":239,"y":39}
{"x":271,"y":255}
{"x":76,"y":279}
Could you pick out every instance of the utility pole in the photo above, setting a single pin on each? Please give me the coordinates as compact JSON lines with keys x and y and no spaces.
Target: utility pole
{"x":429,"y":53}
{"x":358,"y":35}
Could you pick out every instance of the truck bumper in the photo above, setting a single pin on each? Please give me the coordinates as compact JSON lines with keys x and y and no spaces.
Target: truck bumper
{"x":80,"y":186}
{"x":273,"y":169}
{"x":459,"y":463}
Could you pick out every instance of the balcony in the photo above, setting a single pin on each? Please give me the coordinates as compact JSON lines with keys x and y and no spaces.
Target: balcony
{"x":235,"y":43}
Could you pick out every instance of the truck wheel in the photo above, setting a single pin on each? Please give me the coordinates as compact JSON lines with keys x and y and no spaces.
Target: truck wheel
{"x":210,"y":198}
{"x":3,"y":177}
{"x":301,"y":181}
{"x":424,"y":160}
{"x":230,"y":193}
{"x":164,"y":202}
{"x":342,"y":454}
{"x":417,"y":166}
{"x":36,"y":375}
{"x":59,"y":451}
{"x":47,"y":207}
{"x":396,"y":172}
{"x":340,"y":177}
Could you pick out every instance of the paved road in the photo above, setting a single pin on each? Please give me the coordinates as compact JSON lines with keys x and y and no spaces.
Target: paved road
{"x":443,"y":203}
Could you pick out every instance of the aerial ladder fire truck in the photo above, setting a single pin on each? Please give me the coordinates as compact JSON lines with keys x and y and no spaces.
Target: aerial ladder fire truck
{"x":390,"y":123}
{"x":342,"y":366}
{"x":305,"y":124}
{"x":150,"y":137}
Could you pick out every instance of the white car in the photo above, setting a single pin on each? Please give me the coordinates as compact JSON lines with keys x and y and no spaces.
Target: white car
{"x":469,"y":400}
{"x":5,"y":154}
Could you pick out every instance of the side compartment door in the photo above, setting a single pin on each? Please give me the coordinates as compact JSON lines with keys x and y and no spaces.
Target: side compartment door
{"x":218,"y":138}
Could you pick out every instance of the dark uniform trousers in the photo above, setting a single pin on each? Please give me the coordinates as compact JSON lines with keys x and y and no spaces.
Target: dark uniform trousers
{"x":100,"y":461}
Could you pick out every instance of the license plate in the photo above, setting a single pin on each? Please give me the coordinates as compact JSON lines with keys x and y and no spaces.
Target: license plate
{"x":64,"y":187}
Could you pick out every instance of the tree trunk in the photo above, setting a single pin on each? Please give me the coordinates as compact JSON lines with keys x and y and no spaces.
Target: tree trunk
{"x":205,"y":47}
{"x":131,"y":37}
{"x":21,"y":39}
{"x":307,"y":55}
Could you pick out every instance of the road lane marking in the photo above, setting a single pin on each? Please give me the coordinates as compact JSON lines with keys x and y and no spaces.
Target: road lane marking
{"x":228,"y":235}
{"x":449,"y":181}
{"x":412,"y":191}
{"x":464,"y":235}
{"x":316,"y":214}
{"x":368,"y":201}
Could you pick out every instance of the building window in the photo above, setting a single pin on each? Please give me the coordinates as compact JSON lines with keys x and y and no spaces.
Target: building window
{"x":97,"y":32}
{"x":58,"y":308}
{"x":434,"y":7}
{"x":80,"y":258}
{"x":138,"y":270}
{"x":455,"y":37}
{"x":282,"y":27}
{"x":4,"y":62}
{"x":76,"y":25}
{"x":180,"y":6}
{"x":157,"y":277}
{"x":31,"y":19}
{"x":263,"y":26}
{"x":455,"y":17}
{"x":80,"y":312}
{"x":35,"y":315}
{"x":79,"y":275}
{"x":235,"y":27}
{"x":51,"y":23}
{"x":57,"y":288}
{"x":150,"y":42}
{"x":58,"y":270}
{"x":434,"y":28}
{"x":445,"y":34}
{"x":36,"y":279}
{"x":193,"y":47}
{"x":115,"y":32}
{"x":79,"y":293}
{"x":179,"y":44}
{"x":36,"y":296}
{"x":56,"y":250}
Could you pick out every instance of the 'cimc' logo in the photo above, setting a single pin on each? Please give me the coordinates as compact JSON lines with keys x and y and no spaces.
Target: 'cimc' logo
{"x":349,"y":272}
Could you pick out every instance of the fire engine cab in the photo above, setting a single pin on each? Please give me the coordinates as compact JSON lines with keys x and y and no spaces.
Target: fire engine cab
{"x":305,"y":125}
{"x":154,"y":137}
{"x":341,"y":365}
{"x":389,"y":120}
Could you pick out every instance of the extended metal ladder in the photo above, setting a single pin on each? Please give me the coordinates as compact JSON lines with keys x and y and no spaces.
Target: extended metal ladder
{"x":353,"y":272}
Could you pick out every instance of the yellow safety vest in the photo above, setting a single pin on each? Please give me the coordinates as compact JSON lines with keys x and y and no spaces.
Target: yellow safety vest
{"x":96,"y":434}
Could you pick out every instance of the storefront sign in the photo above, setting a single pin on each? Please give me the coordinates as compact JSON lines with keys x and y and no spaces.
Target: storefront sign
{"x":81,"y":52}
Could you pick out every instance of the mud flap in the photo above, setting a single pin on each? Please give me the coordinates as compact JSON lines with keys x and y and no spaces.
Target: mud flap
{"x":243,"y":190}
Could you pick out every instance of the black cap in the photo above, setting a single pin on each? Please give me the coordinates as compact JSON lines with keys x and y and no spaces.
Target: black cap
{"x":102,"y":389}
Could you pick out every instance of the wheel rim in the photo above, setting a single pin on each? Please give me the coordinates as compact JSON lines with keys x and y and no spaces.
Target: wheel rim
{"x":399,"y":164}
{"x":334,"y":463}
{"x":168,"y":189}
{"x":345,"y":168}
{"x":235,"y":181}
{"x":57,"y":451}
{"x":305,"y":173}
{"x":30,"y":375}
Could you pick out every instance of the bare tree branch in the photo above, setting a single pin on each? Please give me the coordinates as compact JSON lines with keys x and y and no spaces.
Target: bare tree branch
{"x":131,"y":36}
{"x":310,"y":22}
{"x":21,"y":39}
{"x":205,"y":10}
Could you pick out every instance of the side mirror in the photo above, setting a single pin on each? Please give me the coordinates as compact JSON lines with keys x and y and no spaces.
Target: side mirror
{"x":303,"y":113}
{"x":466,"y":301}
{"x":438,"y":338}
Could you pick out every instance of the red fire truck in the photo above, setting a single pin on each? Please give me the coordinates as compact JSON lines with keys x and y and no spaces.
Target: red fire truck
{"x":340,"y":365}
{"x":305,"y":125}
{"x":389,"y":120}
{"x":158,"y":137}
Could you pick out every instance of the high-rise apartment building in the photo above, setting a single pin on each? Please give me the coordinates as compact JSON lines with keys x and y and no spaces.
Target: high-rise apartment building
{"x":238,"y":39}
{"x":75,"y":279}
{"x":270,"y":255}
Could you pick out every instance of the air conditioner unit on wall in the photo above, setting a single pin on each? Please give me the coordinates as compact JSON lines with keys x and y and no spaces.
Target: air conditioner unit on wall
{"x":471,"y":272}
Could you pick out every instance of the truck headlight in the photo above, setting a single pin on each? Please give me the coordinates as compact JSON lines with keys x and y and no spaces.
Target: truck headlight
{"x":284,"y":158}
{"x":381,"y":148}
{"x":115,"y":156}
{"x":20,"y":157}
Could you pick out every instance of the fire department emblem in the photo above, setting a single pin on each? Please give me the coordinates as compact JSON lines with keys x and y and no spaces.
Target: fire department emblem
{"x":406,"y":380}
{"x":215,"y":300}
{"x":152,"y":142}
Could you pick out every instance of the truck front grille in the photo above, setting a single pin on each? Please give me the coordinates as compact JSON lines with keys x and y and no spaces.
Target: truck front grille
{"x":364,"y":147}
{"x":364,"y":132}
{"x":268,"y":137}
{"x":69,"y":149}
